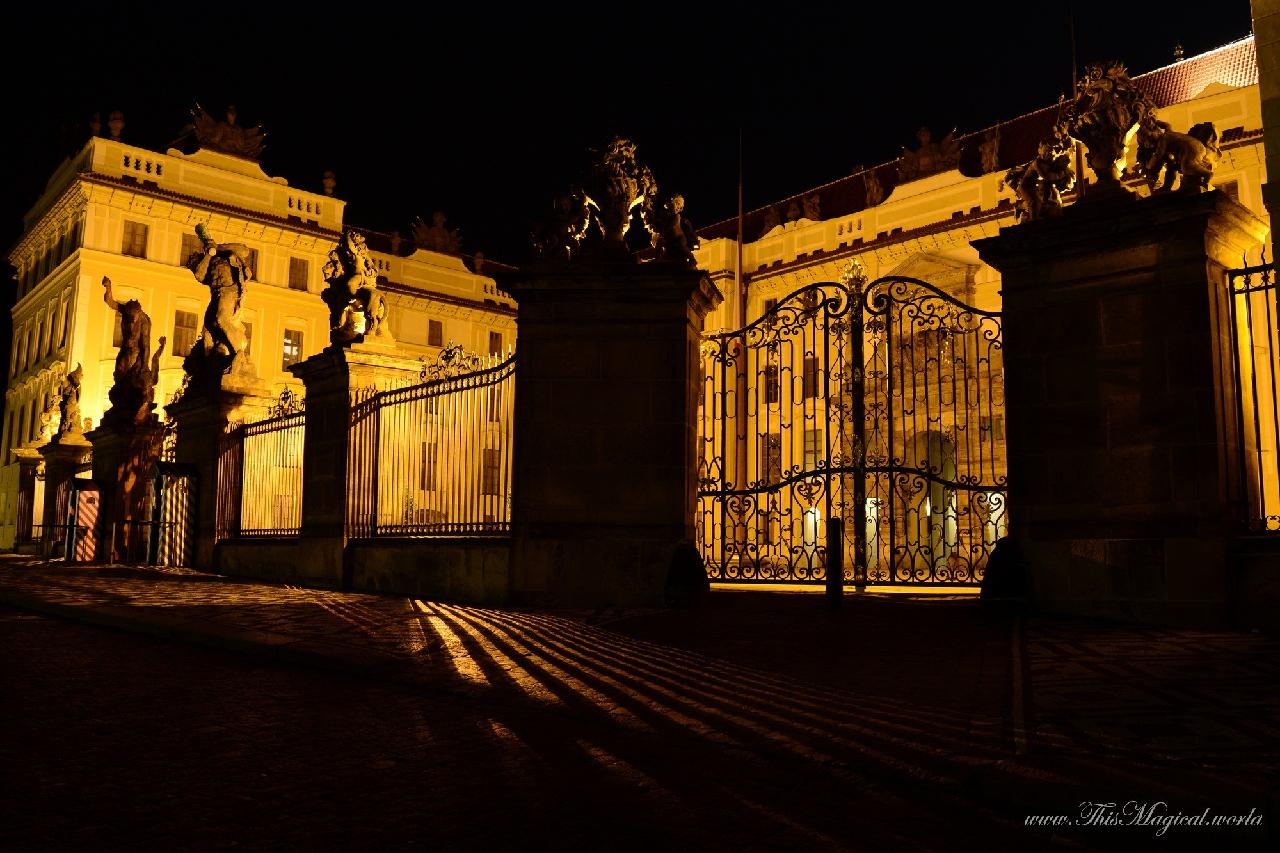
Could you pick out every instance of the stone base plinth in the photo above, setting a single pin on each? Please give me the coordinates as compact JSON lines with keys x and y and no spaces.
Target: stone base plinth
{"x":1117,"y":351}
{"x":202,"y":419}
{"x":122,"y":458}
{"x":605,"y":465}
{"x":64,"y":457}
{"x":336,"y":379}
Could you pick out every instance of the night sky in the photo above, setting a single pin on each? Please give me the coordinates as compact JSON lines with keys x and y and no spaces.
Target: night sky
{"x":484,"y":114}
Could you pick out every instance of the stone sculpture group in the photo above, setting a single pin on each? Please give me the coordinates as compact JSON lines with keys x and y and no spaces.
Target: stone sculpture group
{"x":597,"y":218}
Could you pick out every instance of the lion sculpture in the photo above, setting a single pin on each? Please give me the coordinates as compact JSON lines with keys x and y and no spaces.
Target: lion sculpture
{"x":1193,"y":155}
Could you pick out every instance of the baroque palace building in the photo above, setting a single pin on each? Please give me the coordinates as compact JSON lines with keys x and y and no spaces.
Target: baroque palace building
{"x":914,"y":217}
{"x":124,"y":212}
{"x":127,"y":213}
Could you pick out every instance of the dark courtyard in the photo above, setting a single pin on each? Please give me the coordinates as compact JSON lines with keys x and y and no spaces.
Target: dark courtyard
{"x":184,"y":711}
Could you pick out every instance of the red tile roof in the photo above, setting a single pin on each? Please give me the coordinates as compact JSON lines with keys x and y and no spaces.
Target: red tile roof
{"x":1234,"y":64}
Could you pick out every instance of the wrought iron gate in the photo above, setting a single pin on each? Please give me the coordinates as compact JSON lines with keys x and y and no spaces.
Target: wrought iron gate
{"x":173,"y":519}
{"x":879,"y":404}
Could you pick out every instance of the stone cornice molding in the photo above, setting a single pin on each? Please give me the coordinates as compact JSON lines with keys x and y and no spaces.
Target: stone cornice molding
{"x":459,"y":302}
{"x":57,"y":279}
{"x":69,"y":205}
{"x":926,"y":238}
{"x":52,"y":368}
{"x":129,"y":189}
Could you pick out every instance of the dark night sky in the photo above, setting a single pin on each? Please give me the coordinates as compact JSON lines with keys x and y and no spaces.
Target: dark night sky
{"x":483,"y":113}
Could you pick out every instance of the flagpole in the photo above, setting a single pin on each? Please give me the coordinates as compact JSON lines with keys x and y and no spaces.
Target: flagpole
{"x":738,"y":279}
{"x":1075,"y":93}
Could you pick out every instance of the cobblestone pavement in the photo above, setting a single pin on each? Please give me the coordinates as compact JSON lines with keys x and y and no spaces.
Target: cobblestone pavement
{"x":753,"y":723}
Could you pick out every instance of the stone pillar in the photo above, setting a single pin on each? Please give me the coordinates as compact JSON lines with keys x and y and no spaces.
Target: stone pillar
{"x":1117,"y":353}
{"x":63,"y":457}
{"x":121,"y":458}
{"x":336,"y":379}
{"x":202,"y":418}
{"x":28,"y":461}
{"x":605,"y":457}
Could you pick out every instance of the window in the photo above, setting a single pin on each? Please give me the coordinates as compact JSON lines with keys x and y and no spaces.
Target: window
{"x":495,"y":403}
{"x":253,"y":265}
{"x":771,"y":457}
{"x":769,"y":524}
{"x":992,"y":424}
{"x":769,"y":317}
{"x":495,"y":343}
{"x":117,"y":333}
{"x":492,"y":472}
{"x":299,"y":272}
{"x":435,"y":333}
{"x":62,"y":324}
{"x":810,"y":378}
{"x":427,"y":480}
{"x":292,"y":347}
{"x":771,"y":384}
{"x":248,"y":339}
{"x":135,"y":239}
{"x":813,"y":449}
{"x":186,"y":325}
{"x":191,"y":245}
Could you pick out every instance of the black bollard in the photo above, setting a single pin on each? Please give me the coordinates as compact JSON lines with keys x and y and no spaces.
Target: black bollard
{"x":835,"y":562}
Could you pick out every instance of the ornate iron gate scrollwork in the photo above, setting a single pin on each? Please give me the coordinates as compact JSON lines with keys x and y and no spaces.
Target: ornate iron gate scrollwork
{"x":881,"y":404}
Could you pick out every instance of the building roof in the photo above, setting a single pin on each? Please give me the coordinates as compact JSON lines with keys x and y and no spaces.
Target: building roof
{"x":1234,"y":65}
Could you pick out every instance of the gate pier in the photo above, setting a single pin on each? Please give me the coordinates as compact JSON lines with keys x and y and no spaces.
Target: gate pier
{"x":604,"y":484}
{"x":1119,"y":397}
{"x":202,"y":415}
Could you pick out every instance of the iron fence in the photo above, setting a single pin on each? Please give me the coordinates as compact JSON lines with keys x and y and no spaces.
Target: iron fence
{"x":434,"y":459}
{"x":1251,"y":410}
{"x":260,"y":477}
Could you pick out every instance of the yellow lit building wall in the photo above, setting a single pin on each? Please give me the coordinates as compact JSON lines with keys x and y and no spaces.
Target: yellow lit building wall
{"x":123,"y":212}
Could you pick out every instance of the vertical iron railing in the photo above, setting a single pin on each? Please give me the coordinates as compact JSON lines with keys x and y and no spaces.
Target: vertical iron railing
{"x":1250,"y":410}
{"x":434,"y":459}
{"x":260,"y":478}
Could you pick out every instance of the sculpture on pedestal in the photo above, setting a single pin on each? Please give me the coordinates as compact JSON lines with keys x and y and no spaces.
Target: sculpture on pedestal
{"x":562,"y":233}
{"x":1041,"y":182}
{"x":227,"y":136}
{"x":435,"y":236}
{"x":136,"y":373}
{"x":1193,"y":155}
{"x":618,"y":187}
{"x":596,"y":218}
{"x":69,"y":404}
{"x":1106,"y":108}
{"x":676,"y":237}
{"x":356,"y":309}
{"x":224,"y":269}
{"x":930,"y":158}
{"x":772,"y":219}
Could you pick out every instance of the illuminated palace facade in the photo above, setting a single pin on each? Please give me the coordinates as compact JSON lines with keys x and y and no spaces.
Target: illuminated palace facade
{"x":915,"y":217}
{"x":769,"y":419}
{"x":128,"y":213}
